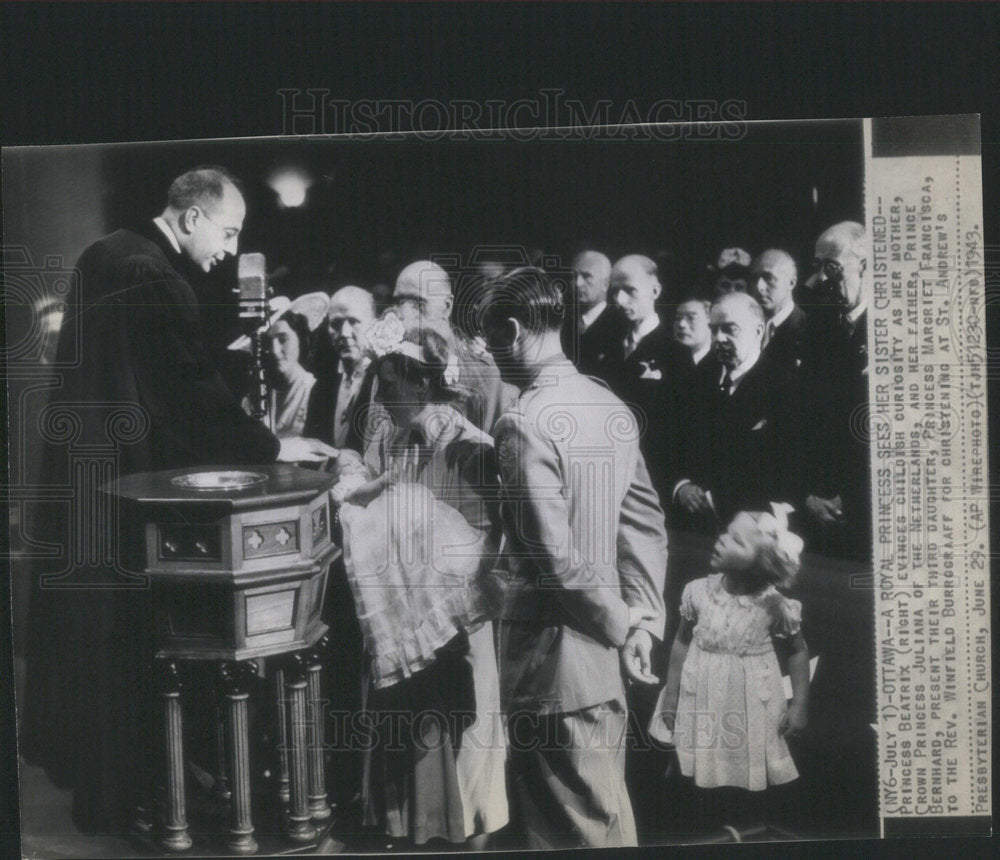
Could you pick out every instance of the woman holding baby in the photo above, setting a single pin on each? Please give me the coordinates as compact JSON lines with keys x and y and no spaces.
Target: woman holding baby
{"x":421,"y":542}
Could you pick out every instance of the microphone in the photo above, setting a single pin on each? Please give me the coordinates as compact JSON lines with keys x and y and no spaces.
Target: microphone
{"x":252,"y":290}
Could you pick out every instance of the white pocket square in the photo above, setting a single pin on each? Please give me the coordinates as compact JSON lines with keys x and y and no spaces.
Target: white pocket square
{"x":649,"y":370}
{"x":759,"y":425}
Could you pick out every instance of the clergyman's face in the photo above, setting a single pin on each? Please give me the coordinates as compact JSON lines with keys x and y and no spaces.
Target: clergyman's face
{"x":215,"y":229}
{"x":423,"y":301}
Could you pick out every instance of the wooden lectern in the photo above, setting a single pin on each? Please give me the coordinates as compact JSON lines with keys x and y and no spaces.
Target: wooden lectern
{"x":238,"y":563}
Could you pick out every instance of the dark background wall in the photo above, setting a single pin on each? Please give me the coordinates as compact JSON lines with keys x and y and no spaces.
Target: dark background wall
{"x":418,"y":197}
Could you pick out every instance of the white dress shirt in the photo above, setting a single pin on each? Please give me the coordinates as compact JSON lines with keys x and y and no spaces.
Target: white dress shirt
{"x":347,"y":393}
{"x":165,"y":228}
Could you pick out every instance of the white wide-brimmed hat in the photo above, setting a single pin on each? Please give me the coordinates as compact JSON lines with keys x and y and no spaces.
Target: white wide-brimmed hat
{"x":313,"y":306}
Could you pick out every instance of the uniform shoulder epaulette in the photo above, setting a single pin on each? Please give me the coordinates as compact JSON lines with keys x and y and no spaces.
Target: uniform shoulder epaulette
{"x":599,"y":381}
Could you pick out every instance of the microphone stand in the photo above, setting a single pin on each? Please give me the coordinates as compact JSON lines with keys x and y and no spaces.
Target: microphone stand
{"x":253,"y":293}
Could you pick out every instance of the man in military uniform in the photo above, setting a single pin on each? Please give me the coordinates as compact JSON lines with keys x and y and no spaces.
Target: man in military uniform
{"x":588,"y":554}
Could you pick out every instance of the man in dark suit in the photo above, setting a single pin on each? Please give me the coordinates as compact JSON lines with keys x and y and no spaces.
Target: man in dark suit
{"x":592,"y":327}
{"x":773,"y":276}
{"x":692,"y":332}
{"x":588,"y":552}
{"x":838,"y":470}
{"x":694,"y":360}
{"x":140,"y":388}
{"x":340,"y":367}
{"x":641,"y":363}
{"x":333,"y":416}
{"x":740,"y":455}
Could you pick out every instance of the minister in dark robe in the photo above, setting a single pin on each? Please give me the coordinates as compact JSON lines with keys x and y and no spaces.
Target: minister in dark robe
{"x":139,"y":392}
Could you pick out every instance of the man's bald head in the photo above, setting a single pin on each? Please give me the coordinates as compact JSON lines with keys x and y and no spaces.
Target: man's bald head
{"x":352,"y":310}
{"x":205,"y":211}
{"x":635,"y":287}
{"x":737,"y":324}
{"x":773,"y":276}
{"x":840,"y":264}
{"x":847,"y":237}
{"x":593,"y":274}
{"x":423,"y":296}
{"x":352,"y":300}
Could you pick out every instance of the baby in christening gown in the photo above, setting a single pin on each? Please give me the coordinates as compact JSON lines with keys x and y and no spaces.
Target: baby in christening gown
{"x":413,"y":588}
{"x":723,"y":706}
{"x":423,"y":577}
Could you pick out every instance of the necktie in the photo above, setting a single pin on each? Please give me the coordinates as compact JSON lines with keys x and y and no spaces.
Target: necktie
{"x":629,"y":344}
{"x":768,"y":334}
{"x":726,"y":386}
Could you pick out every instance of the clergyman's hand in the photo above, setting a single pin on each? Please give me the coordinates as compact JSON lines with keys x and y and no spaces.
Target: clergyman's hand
{"x":295,"y":449}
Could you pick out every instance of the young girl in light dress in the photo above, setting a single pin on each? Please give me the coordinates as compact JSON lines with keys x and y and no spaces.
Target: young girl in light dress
{"x":723,"y":706}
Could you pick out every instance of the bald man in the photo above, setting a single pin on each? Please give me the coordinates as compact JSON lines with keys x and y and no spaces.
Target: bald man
{"x":423,"y":297}
{"x":592,"y":328}
{"x":340,"y":368}
{"x":740,"y":454}
{"x":837,"y":497}
{"x":773,"y":277}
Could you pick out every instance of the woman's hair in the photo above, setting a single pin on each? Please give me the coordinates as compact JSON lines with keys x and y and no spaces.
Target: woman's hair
{"x":300,"y":325}
{"x":431,"y":368}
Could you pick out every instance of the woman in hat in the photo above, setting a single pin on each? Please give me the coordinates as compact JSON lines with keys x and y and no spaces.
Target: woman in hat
{"x":287,"y":342}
